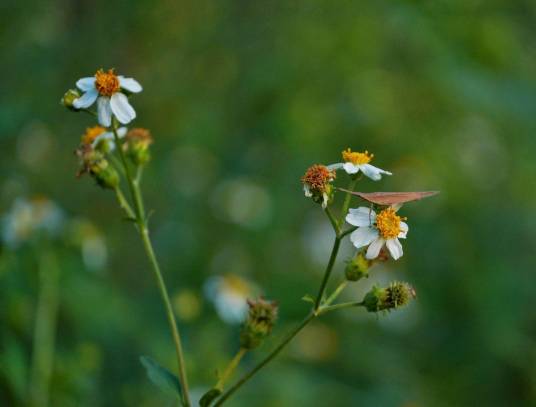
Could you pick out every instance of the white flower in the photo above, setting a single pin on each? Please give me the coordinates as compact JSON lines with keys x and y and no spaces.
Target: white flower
{"x":105,"y":88}
{"x":97,"y":134}
{"x":316,"y":183}
{"x":355,"y":162}
{"x":375,"y":230}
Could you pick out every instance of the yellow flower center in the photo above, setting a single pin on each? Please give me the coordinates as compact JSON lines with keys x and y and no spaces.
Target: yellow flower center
{"x":92,"y":133}
{"x":107,"y":83}
{"x":388,"y":223}
{"x":356,"y":158}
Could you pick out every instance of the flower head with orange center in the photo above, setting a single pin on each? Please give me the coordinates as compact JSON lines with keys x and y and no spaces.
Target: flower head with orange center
{"x":92,"y":133}
{"x":376,"y":230}
{"x":355,"y":161}
{"x":107,"y":89}
{"x":106,"y":83}
{"x":317,"y":183}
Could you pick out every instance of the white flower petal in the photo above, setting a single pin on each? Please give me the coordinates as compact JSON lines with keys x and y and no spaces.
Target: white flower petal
{"x":361,"y":216}
{"x":374,"y":248}
{"x":324,"y":200}
{"x":86,"y":100}
{"x":403,"y":230}
{"x":307,"y":191}
{"x":104,"y":111}
{"x":86,"y":84}
{"x":130,"y":84}
{"x":336,"y":166}
{"x":121,"y":132}
{"x":363,"y":236}
{"x":351,"y":168}
{"x":121,"y":108}
{"x":395,"y":248}
{"x":374,"y":173}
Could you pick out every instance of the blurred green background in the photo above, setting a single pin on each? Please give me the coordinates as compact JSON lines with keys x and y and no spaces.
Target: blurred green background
{"x":241,"y":97}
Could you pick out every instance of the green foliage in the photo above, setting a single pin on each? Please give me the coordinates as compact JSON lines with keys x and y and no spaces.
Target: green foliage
{"x":161,"y":377}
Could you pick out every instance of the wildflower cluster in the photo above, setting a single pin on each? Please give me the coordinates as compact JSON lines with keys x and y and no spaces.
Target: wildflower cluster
{"x":112,"y":154}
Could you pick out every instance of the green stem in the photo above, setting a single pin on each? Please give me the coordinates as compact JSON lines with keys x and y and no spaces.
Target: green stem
{"x":327,"y":273}
{"x":144,"y":233}
{"x":347,"y":232}
{"x":266,"y":360}
{"x":336,"y":293}
{"x":346,"y":203}
{"x":342,"y":305}
{"x":333,"y":221}
{"x":230,"y":368}
{"x":44,"y":331}
{"x":123,"y":203}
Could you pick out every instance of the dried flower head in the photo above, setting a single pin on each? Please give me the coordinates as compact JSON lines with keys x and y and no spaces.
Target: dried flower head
{"x":262,"y":315}
{"x":317,"y":183}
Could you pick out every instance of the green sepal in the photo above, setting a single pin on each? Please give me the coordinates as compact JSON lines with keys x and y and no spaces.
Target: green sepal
{"x":161,"y":377}
{"x":209,"y":397}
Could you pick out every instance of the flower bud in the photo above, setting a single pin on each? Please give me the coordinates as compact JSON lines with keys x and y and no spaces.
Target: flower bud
{"x":357,"y":268}
{"x":70,"y":96}
{"x":94,"y":163}
{"x":137,"y":144}
{"x":261,"y":318}
{"x":385,"y":299}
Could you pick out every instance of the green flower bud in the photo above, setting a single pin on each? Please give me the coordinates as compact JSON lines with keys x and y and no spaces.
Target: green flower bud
{"x":385,"y":299}
{"x":357,"y":268}
{"x":261,"y":318}
{"x":93,"y":162}
{"x":70,"y":96}
{"x":137,"y":144}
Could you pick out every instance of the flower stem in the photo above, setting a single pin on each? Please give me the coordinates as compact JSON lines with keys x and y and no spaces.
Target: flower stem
{"x":44,"y":331}
{"x":336,"y":293}
{"x":342,"y":305}
{"x":266,"y":360}
{"x":346,"y":203}
{"x":327,"y":273}
{"x":141,"y":222}
{"x":123,"y":203}
{"x":230,"y":368}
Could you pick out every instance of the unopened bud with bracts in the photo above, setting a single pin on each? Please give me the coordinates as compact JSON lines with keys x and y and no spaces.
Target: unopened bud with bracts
{"x":396,"y":295}
{"x":357,"y":267}
{"x":317,"y":184}
{"x":262,"y":315}
{"x":70,"y":96}
{"x":137,"y":144}
{"x":93,"y":162}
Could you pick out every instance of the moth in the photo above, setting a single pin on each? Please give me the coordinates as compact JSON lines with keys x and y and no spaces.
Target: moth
{"x":391,"y":198}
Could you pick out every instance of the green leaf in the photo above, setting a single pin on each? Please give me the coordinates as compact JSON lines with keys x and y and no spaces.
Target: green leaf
{"x":161,"y":376}
{"x":308,"y":298}
{"x":208,"y":397}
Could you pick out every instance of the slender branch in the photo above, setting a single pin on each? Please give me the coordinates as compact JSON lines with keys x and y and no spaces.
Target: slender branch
{"x":230,"y":368}
{"x":332,"y":220}
{"x":342,"y":305}
{"x":44,"y":331}
{"x":266,"y":360}
{"x":144,"y":233}
{"x":327,"y":273}
{"x":346,"y":203}
{"x":123,"y":203}
{"x":336,"y":293}
{"x":347,"y":232}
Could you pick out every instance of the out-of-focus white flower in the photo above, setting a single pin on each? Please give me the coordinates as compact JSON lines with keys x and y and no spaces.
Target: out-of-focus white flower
{"x":30,"y":217}
{"x":375,"y":230}
{"x":229,"y":295}
{"x":106,"y":89}
{"x":355,"y":162}
{"x":84,"y":234}
{"x":97,"y":135}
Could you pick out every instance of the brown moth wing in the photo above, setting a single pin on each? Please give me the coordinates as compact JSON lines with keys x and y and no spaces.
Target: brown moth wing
{"x":392,"y":198}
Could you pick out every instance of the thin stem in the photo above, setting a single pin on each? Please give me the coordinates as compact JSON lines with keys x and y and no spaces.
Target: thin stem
{"x":347,"y":200}
{"x":230,"y":368}
{"x":332,"y":220}
{"x":336,"y":293}
{"x":342,"y":305}
{"x":144,"y":233}
{"x":169,"y":311}
{"x":347,"y":232}
{"x":123,"y":203}
{"x":44,"y":331}
{"x":266,"y":360}
{"x":327,"y":273}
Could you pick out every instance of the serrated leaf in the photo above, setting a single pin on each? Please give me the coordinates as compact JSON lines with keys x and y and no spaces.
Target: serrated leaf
{"x":308,"y":298}
{"x":208,"y":397}
{"x":161,"y":377}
